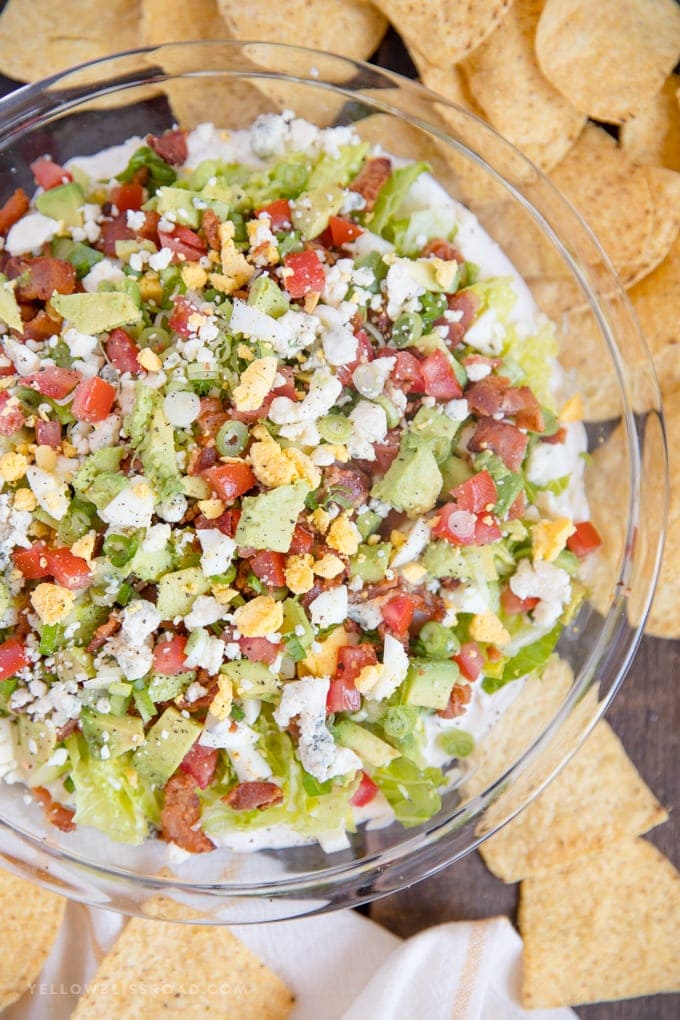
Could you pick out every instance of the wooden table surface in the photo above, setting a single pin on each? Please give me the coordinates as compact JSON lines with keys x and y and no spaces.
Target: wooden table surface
{"x":646,"y":715}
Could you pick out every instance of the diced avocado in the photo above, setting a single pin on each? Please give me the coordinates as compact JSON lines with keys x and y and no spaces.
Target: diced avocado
{"x":252,"y":680}
{"x":313,"y":209}
{"x":167,"y":742}
{"x":368,"y":522}
{"x":136,"y":423}
{"x":412,"y":482}
{"x":433,"y":428}
{"x":178,"y":591}
{"x":97,"y":313}
{"x":180,"y":202}
{"x":216,"y":189}
{"x":9,"y":309}
{"x":196,"y":487}
{"x":163,"y":687}
{"x":150,"y":566}
{"x":4,"y":598}
{"x":429,"y":684}
{"x":74,"y":664}
{"x":63,"y":203}
{"x":80,"y":255}
{"x":371,"y":561}
{"x":159,"y":458}
{"x":371,"y":749}
{"x":268,"y":298}
{"x":37,"y":740}
{"x":454,"y":471}
{"x":294,"y":619}
{"x":88,"y":616}
{"x":469,"y":563}
{"x":106,"y":459}
{"x":7,"y":688}
{"x":105,"y":488}
{"x":268,"y":521}
{"x":117,"y":733}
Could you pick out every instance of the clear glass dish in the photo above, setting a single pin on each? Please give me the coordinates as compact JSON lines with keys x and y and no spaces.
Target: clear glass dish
{"x":82,"y":111}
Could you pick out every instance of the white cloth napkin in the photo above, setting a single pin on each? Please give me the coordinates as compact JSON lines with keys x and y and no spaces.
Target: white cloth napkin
{"x":341,"y":966}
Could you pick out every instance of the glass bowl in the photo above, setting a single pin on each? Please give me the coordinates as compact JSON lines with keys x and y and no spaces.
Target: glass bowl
{"x":105,"y":102}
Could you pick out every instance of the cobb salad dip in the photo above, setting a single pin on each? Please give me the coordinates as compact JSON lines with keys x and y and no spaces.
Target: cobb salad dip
{"x":291,"y":497}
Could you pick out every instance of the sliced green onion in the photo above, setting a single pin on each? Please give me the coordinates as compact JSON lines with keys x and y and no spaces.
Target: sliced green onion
{"x":438,"y":641}
{"x":391,"y":413}
{"x":232,"y":439}
{"x":407,"y":329}
{"x":144,"y":704}
{"x":120,"y":549}
{"x":432,"y":307}
{"x":334,"y":428}
{"x":125,"y":594}
{"x":50,"y":638}
{"x":77,"y":522}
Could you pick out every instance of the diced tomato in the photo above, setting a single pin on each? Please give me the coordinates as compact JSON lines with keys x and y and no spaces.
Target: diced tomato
{"x":183,"y":242}
{"x":477,"y":494}
{"x":279,"y":213}
{"x":48,"y":433}
{"x":32,"y":562}
{"x":122,"y":351}
{"x":364,"y":354}
{"x":586,"y":539}
{"x":270,"y":567}
{"x":229,"y":481}
{"x":305,"y":273}
{"x":365,"y":791}
{"x":12,"y":657}
{"x":343,"y":696}
{"x":53,"y":381}
{"x":13,"y":209}
{"x":258,"y":649}
{"x":343,"y":231}
{"x":397,"y":613}
{"x":68,"y":570}
{"x":469,"y":660}
{"x":114,"y":230}
{"x":127,"y":196}
{"x":513,"y":605}
{"x":182,"y":310}
{"x":407,"y":372}
{"x":169,"y":657}
{"x":93,"y":399}
{"x":11,"y":416}
{"x":461,"y":527}
{"x":440,"y":378}
{"x":200,"y":762}
{"x":49,"y":174}
{"x":303,"y":541}
{"x":352,"y":659}
{"x":170,"y":146}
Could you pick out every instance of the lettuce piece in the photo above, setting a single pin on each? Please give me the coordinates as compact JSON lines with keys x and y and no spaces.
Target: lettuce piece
{"x":527,"y":660}
{"x":496,"y":292}
{"x":412,"y":792}
{"x":338,"y":169}
{"x":536,"y":355}
{"x":160,"y":172}
{"x":423,"y":225}
{"x":105,"y":798}
{"x":391,"y":196}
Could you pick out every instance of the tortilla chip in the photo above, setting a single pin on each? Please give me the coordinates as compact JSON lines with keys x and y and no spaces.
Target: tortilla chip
{"x":504,"y":77}
{"x":664,"y":617}
{"x":42,"y":38}
{"x":353,"y":28}
{"x":443,"y":32}
{"x":633,"y":210}
{"x":195,"y":970}
{"x":597,"y":799}
{"x":652,"y":136}
{"x":611,"y":57}
{"x":31,"y":917}
{"x":656,"y":300}
{"x":518,"y":727}
{"x":606,"y":927}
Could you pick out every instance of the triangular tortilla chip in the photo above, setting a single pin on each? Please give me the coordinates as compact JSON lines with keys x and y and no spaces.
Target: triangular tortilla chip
{"x":606,"y":927}
{"x":597,"y":799}
{"x":195,"y":970}
{"x":653,"y":135}
{"x":29,"y":923}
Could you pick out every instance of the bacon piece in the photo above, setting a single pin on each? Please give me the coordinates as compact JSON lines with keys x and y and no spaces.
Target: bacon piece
{"x":349,"y":484}
{"x":494,"y":395}
{"x":40,"y":277}
{"x":171,"y":146}
{"x":55,"y":813}
{"x":41,"y":326}
{"x":14,"y":208}
{"x":181,"y":813}
{"x":211,"y":228}
{"x":464,"y":301}
{"x":103,"y":633}
{"x":442,"y":249}
{"x":371,"y":178}
{"x":254,"y":795}
{"x":501,"y":438}
{"x":458,"y":701}
{"x":385,"y":453}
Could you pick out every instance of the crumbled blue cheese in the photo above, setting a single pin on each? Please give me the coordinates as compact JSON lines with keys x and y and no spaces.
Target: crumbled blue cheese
{"x":369,"y":425}
{"x":218,"y":551}
{"x":318,"y":752}
{"x":239,"y":741}
{"x":543,"y":581}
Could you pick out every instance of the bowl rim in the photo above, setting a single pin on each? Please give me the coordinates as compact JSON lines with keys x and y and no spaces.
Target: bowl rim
{"x":17,"y":114}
